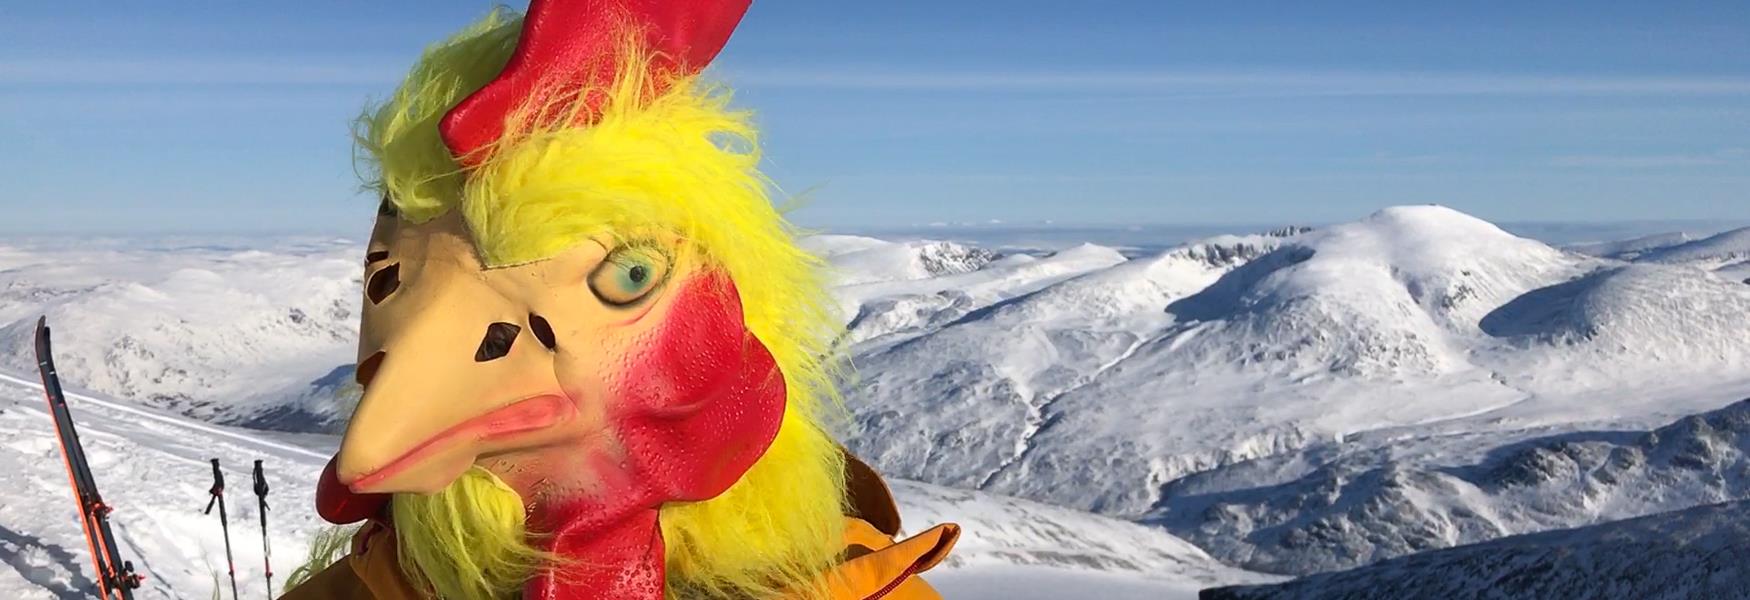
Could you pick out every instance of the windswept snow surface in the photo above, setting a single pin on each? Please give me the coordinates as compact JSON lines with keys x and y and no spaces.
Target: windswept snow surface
{"x":152,"y":467}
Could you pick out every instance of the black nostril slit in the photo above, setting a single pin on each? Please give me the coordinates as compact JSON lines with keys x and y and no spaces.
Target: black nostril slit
{"x":376,"y":257}
{"x":383,"y":283}
{"x":543,"y":331}
{"x":367,"y":369}
{"x":496,"y":344}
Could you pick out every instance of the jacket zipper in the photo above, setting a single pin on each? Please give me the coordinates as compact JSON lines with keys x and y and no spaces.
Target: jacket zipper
{"x":892,"y":585}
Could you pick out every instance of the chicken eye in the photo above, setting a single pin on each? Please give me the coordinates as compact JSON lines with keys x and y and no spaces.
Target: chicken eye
{"x":628,"y":275}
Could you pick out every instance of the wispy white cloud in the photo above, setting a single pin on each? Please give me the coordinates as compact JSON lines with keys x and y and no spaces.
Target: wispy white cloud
{"x":1393,"y":158}
{"x":1653,"y":161}
{"x":1240,"y":82}
{"x":190,"y":71}
{"x":371,"y":71}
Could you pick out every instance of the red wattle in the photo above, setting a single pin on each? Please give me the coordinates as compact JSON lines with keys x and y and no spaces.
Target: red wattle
{"x":622,"y":559}
{"x":339,"y":505}
{"x":700,"y":404}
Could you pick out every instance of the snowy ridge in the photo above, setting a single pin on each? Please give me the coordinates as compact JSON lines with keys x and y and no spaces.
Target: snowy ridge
{"x":1709,"y":253}
{"x":862,"y":259}
{"x":1694,"y":553}
{"x":1726,"y":254}
{"x":883,"y":312}
{"x":1356,"y":507}
{"x":1631,"y":248}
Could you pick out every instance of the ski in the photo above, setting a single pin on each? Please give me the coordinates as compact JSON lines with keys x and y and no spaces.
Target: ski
{"x":116,"y":579}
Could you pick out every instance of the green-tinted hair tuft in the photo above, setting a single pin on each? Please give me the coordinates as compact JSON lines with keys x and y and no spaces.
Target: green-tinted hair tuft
{"x":405,"y":156}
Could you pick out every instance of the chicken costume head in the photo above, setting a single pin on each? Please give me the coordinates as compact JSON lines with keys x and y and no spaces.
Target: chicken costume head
{"x":592,"y":356}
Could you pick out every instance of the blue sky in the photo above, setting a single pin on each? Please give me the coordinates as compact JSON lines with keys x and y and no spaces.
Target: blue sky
{"x":175,"y":117}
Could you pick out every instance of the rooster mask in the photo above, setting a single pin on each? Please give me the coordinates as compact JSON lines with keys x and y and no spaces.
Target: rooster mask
{"x":595,"y":364}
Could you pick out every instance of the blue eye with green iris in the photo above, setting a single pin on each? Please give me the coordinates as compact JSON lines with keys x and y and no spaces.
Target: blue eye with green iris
{"x":628,"y":274}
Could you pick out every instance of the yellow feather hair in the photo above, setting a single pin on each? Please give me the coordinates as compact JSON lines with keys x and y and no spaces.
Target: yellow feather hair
{"x":680,"y":162}
{"x":434,"y":532}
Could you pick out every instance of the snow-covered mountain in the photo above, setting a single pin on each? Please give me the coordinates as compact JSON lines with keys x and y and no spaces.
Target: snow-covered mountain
{"x":1320,"y":400}
{"x":152,"y":467}
{"x":226,"y":330}
{"x":1126,"y":377}
{"x":1682,"y":555}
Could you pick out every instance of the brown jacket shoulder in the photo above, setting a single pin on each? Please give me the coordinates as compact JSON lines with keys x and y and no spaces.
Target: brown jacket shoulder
{"x":876,"y":565}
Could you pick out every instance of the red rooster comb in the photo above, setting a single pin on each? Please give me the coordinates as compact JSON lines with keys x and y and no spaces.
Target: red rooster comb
{"x":565,"y":41}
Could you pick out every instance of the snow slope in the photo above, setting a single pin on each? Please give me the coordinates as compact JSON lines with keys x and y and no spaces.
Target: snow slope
{"x":1694,"y":553}
{"x":152,"y":467}
{"x":986,"y":378}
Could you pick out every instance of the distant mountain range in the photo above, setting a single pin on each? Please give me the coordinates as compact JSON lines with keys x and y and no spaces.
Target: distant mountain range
{"x":1296,"y":401}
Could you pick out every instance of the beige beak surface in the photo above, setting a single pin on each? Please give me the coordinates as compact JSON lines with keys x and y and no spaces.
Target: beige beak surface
{"x":450,"y":370}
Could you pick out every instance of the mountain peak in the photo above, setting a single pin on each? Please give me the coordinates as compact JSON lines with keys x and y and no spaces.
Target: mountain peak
{"x":1432,"y":222}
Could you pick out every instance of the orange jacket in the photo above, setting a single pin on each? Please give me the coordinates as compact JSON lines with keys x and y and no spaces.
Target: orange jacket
{"x":875,"y":566}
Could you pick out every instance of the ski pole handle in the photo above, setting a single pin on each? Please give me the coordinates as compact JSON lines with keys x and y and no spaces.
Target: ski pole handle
{"x":260,"y":483}
{"x":218,"y":489}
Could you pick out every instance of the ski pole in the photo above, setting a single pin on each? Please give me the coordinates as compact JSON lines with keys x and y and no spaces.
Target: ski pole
{"x":218,"y":497}
{"x":266,"y":547}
